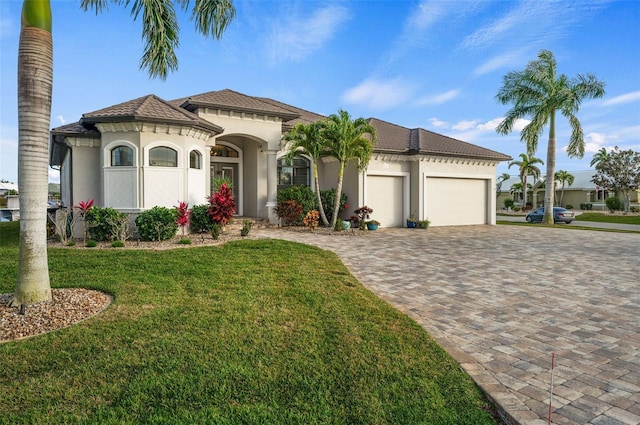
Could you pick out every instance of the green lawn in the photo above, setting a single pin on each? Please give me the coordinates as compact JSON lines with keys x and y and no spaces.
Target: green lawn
{"x":253,"y":332}
{"x":609,"y":218}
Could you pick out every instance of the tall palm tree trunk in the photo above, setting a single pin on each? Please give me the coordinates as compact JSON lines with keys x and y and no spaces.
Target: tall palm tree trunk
{"x":336,"y":202}
{"x":550,"y":178}
{"x":35,"y":80}
{"x":323,"y":216}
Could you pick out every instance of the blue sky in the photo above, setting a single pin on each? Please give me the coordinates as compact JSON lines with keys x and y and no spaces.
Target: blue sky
{"x":431,"y":64}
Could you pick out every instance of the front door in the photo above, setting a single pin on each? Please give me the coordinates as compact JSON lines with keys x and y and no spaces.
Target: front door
{"x":225,"y":171}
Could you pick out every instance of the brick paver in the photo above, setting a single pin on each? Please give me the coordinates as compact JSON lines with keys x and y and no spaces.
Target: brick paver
{"x":502,"y":299}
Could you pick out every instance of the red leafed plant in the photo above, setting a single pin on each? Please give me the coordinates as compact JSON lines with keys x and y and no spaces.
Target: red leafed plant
{"x":222,"y":205}
{"x":84,"y":207}
{"x":183,"y":215}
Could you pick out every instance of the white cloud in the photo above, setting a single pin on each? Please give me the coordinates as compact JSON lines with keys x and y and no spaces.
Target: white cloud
{"x":623,"y":98}
{"x":464,"y":125}
{"x":61,"y":119}
{"x":378,"y":94}
{"x":438,"y":99}
{"x":294,"y":38}
{"x":490,"y":125}
{"x":437,"y":123}
{"x":510,"y":59}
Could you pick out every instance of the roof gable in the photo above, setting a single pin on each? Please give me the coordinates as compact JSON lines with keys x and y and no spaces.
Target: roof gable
{"x":231,"y":100}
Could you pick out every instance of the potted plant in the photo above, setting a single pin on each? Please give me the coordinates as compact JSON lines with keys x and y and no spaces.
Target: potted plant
{"x":363,"y":214}
{"x":372,"y":224}
{"x":412,"y":222}
{"x":424,"y":224}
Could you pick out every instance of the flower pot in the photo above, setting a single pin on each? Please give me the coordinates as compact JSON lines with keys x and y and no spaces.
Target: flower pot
{"x":372,"y":226}
{"x":346,"y":224}
{"x":411,"y":224}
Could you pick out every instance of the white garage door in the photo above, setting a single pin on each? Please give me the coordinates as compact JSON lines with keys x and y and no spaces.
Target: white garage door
{"x":451,"y":202}
{"x":385,"y":196}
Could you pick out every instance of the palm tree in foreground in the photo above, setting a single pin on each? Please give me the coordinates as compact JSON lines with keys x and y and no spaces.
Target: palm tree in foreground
{"x":538,"y":92}
{"x":347,"y":139}
{"x":527,"y":166}
{"x":306,"y":139}
{"x":564,"y":178}
{"x":35,"y":82}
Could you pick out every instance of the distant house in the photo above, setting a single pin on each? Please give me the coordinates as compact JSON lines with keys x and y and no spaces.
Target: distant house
{"x":5,"y":188}
{"x":148,"y":151}
{"x":582,"y":191}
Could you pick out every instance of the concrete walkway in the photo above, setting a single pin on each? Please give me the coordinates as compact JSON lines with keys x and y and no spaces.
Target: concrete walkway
{"x":502,"y":299}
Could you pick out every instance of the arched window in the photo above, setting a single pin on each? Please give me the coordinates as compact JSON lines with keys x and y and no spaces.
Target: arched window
{"x":295,"y":173}
{"x":195,"y":160}
{"x":224,"y":152}
{"x":122,"y":156}
{"x":163,"y":157}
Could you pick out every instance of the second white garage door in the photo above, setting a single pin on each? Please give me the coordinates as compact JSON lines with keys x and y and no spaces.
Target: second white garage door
{"x":385,"y":194}
{"x":453,"y":201}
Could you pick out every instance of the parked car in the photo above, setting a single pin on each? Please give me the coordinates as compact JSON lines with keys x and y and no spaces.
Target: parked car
{"x":560,"y":215}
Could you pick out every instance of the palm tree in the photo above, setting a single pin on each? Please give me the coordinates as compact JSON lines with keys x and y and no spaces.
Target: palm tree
{"x":35,"y":81}
{"x":504,"y":177}
{"x":599,"y":157}
{"x":538,"y":92}
{"x":527,"y":166}
{"x":307,"y":139}
{"x":347,"y":139}
{"x":563,"y":177}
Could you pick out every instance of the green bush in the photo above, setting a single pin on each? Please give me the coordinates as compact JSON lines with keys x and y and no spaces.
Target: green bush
{"x":614,"y":203}
{"x":99,"y":223}
{"x":569,"y":207}
{"x":508,"y":203}
{"x":157,"y":224}
{"x":117,"y":244}
{"x":303,"y":195}
{"x":586,"y":207}
{"x":91,"y":243}
{"x":200,"y":220}
{"x":634,"y":209}
{"x":328,"y":196}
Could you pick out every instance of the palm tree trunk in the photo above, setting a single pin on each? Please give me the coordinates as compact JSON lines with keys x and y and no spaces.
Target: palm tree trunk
{"x":35,"y":80}
{"x":336,"y":202}
{"x":323,"y":216}
{"x":551,"y":165}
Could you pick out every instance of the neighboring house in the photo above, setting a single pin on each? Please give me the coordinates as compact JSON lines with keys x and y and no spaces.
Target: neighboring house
{"x":148,"y":151}
{"x":582,"y":191}
{"x":5,"y":188}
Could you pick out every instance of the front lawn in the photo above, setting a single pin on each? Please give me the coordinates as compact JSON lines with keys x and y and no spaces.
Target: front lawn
{"x":608,"y":218}
{"x":253,"y":332}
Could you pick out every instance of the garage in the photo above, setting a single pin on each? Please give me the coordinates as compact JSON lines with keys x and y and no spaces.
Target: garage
{"x":385,"y":194}
{"x":456,"y":201}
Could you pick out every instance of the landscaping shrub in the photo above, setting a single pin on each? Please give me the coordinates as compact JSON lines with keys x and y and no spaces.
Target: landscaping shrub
{"x":303,"y":195}
{"x":634,"y":209}
{"x":157,"y":224}
{"x":246,"y":227}
{"x":328,"y":196}
{"x":614,"y":203}
{"x":569,"y":207}
{"x":508,"y":203}
{"x":200,"y":220}
{"x":222,"y":205}
{"x":99,"y":223}
{"x":586,"y":207}
{"x":289,"y":211}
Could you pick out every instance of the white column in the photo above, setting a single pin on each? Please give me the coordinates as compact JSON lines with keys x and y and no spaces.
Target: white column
{"x":272,"y":185}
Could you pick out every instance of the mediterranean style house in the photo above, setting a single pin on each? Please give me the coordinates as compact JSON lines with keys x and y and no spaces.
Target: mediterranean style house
{"x":151,"y":152}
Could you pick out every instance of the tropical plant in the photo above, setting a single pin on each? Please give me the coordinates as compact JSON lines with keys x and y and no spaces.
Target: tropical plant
{"x":99,"y":221}
{"x":183,"y":215}
{"x":35,"y":83}
{"x":200,"y":220}
{"x":120,"y":229}
{"x":328,"y":198}
{"x":157,"y":224}
{"x":83,"y":208}
{"x":508,"y":203}
{"x":63,"y":220}
{"x":347,"y":139}
{"x":362,"y":215}
{"x":599,"y":157}
{"x":311,"y":219}
{"x":306,"y":139}
{"x":301,"y":194}
{"x":564,"y":178}
{"x":504,"y":177}
{"x":222,"y":205}
{"x":289,"y":212}
{"x":538,"y":92}
{"x":619,"y":170}
{"x":246,"y":227}
{"x":527,"y":166}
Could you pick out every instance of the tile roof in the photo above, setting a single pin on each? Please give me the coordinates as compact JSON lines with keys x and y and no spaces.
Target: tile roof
{"x":149,"y":108}
{"x":397,"y":139}
{"x":231,"y":100}
{"x":304,"y":116}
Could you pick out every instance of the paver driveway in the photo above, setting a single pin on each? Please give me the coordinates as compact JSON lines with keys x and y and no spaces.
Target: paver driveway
{"x":502,"y":299}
